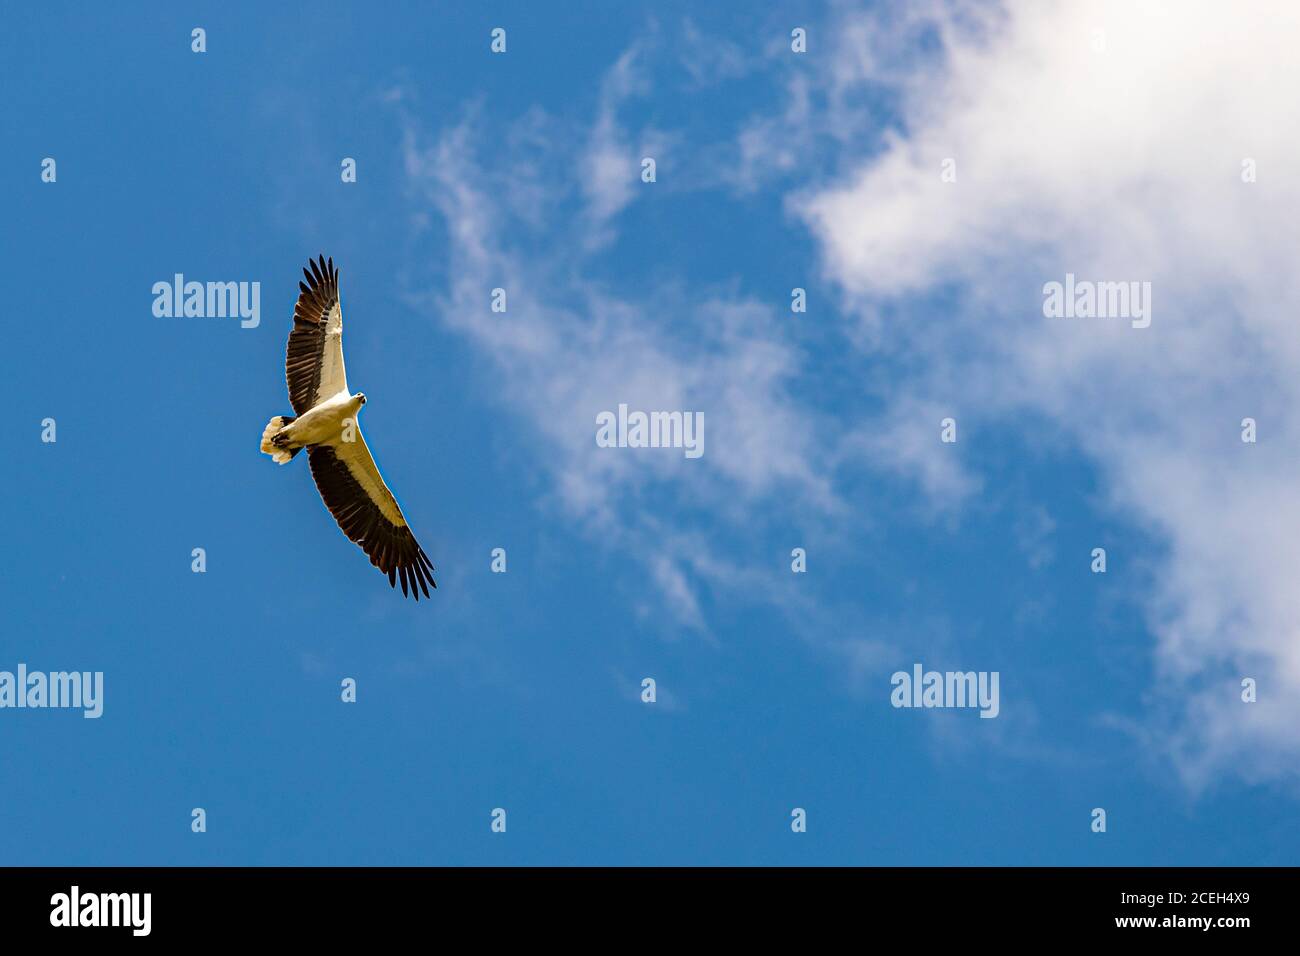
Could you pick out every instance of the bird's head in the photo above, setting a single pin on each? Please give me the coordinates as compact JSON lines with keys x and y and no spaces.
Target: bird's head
{"x":360,"y":398}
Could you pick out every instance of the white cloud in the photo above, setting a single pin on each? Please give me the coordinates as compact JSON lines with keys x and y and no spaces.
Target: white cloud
{"x":710,"y":59}
{"x":609,"y":164}
{"x":1107,"y":140}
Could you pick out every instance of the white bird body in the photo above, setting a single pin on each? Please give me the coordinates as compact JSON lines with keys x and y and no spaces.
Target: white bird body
{"x":324,"y":423}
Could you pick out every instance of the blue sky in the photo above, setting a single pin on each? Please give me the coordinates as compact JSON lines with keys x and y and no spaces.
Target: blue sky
{"x":521,"y":690}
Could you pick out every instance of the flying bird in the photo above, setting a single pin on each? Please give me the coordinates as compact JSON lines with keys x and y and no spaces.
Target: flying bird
{"x":325,"y":423}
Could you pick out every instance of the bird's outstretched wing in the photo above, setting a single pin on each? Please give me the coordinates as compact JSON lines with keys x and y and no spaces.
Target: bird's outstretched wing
{"x":313,"y":364}
{"x":366,"y":510}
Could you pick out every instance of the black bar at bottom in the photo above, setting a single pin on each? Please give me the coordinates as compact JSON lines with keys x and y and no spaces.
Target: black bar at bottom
{"x":369,"y":904}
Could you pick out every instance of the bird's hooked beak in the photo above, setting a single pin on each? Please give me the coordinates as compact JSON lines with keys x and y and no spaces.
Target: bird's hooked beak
{"x":361,"y":398}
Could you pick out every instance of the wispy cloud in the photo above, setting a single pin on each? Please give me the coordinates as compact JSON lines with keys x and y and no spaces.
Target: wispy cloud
{"x":610,"y":162}
{"x":569,"y":347}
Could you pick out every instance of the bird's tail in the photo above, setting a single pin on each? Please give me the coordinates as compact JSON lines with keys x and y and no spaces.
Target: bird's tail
{"x":280,"y":451}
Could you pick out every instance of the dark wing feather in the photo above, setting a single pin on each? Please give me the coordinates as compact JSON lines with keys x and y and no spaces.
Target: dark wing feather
{"x":312,"y":353}
{"x":389,"y":543}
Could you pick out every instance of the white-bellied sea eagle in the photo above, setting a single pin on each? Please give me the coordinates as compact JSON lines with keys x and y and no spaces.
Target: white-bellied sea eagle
{"x":326,"y":425}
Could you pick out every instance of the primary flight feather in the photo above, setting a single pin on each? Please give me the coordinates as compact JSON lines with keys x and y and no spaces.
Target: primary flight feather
{"x":325,"y":423}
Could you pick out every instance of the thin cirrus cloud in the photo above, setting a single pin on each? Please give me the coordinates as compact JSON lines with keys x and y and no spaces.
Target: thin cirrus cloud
{"x":1110,"y":140}
{"x":569,"y":347}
